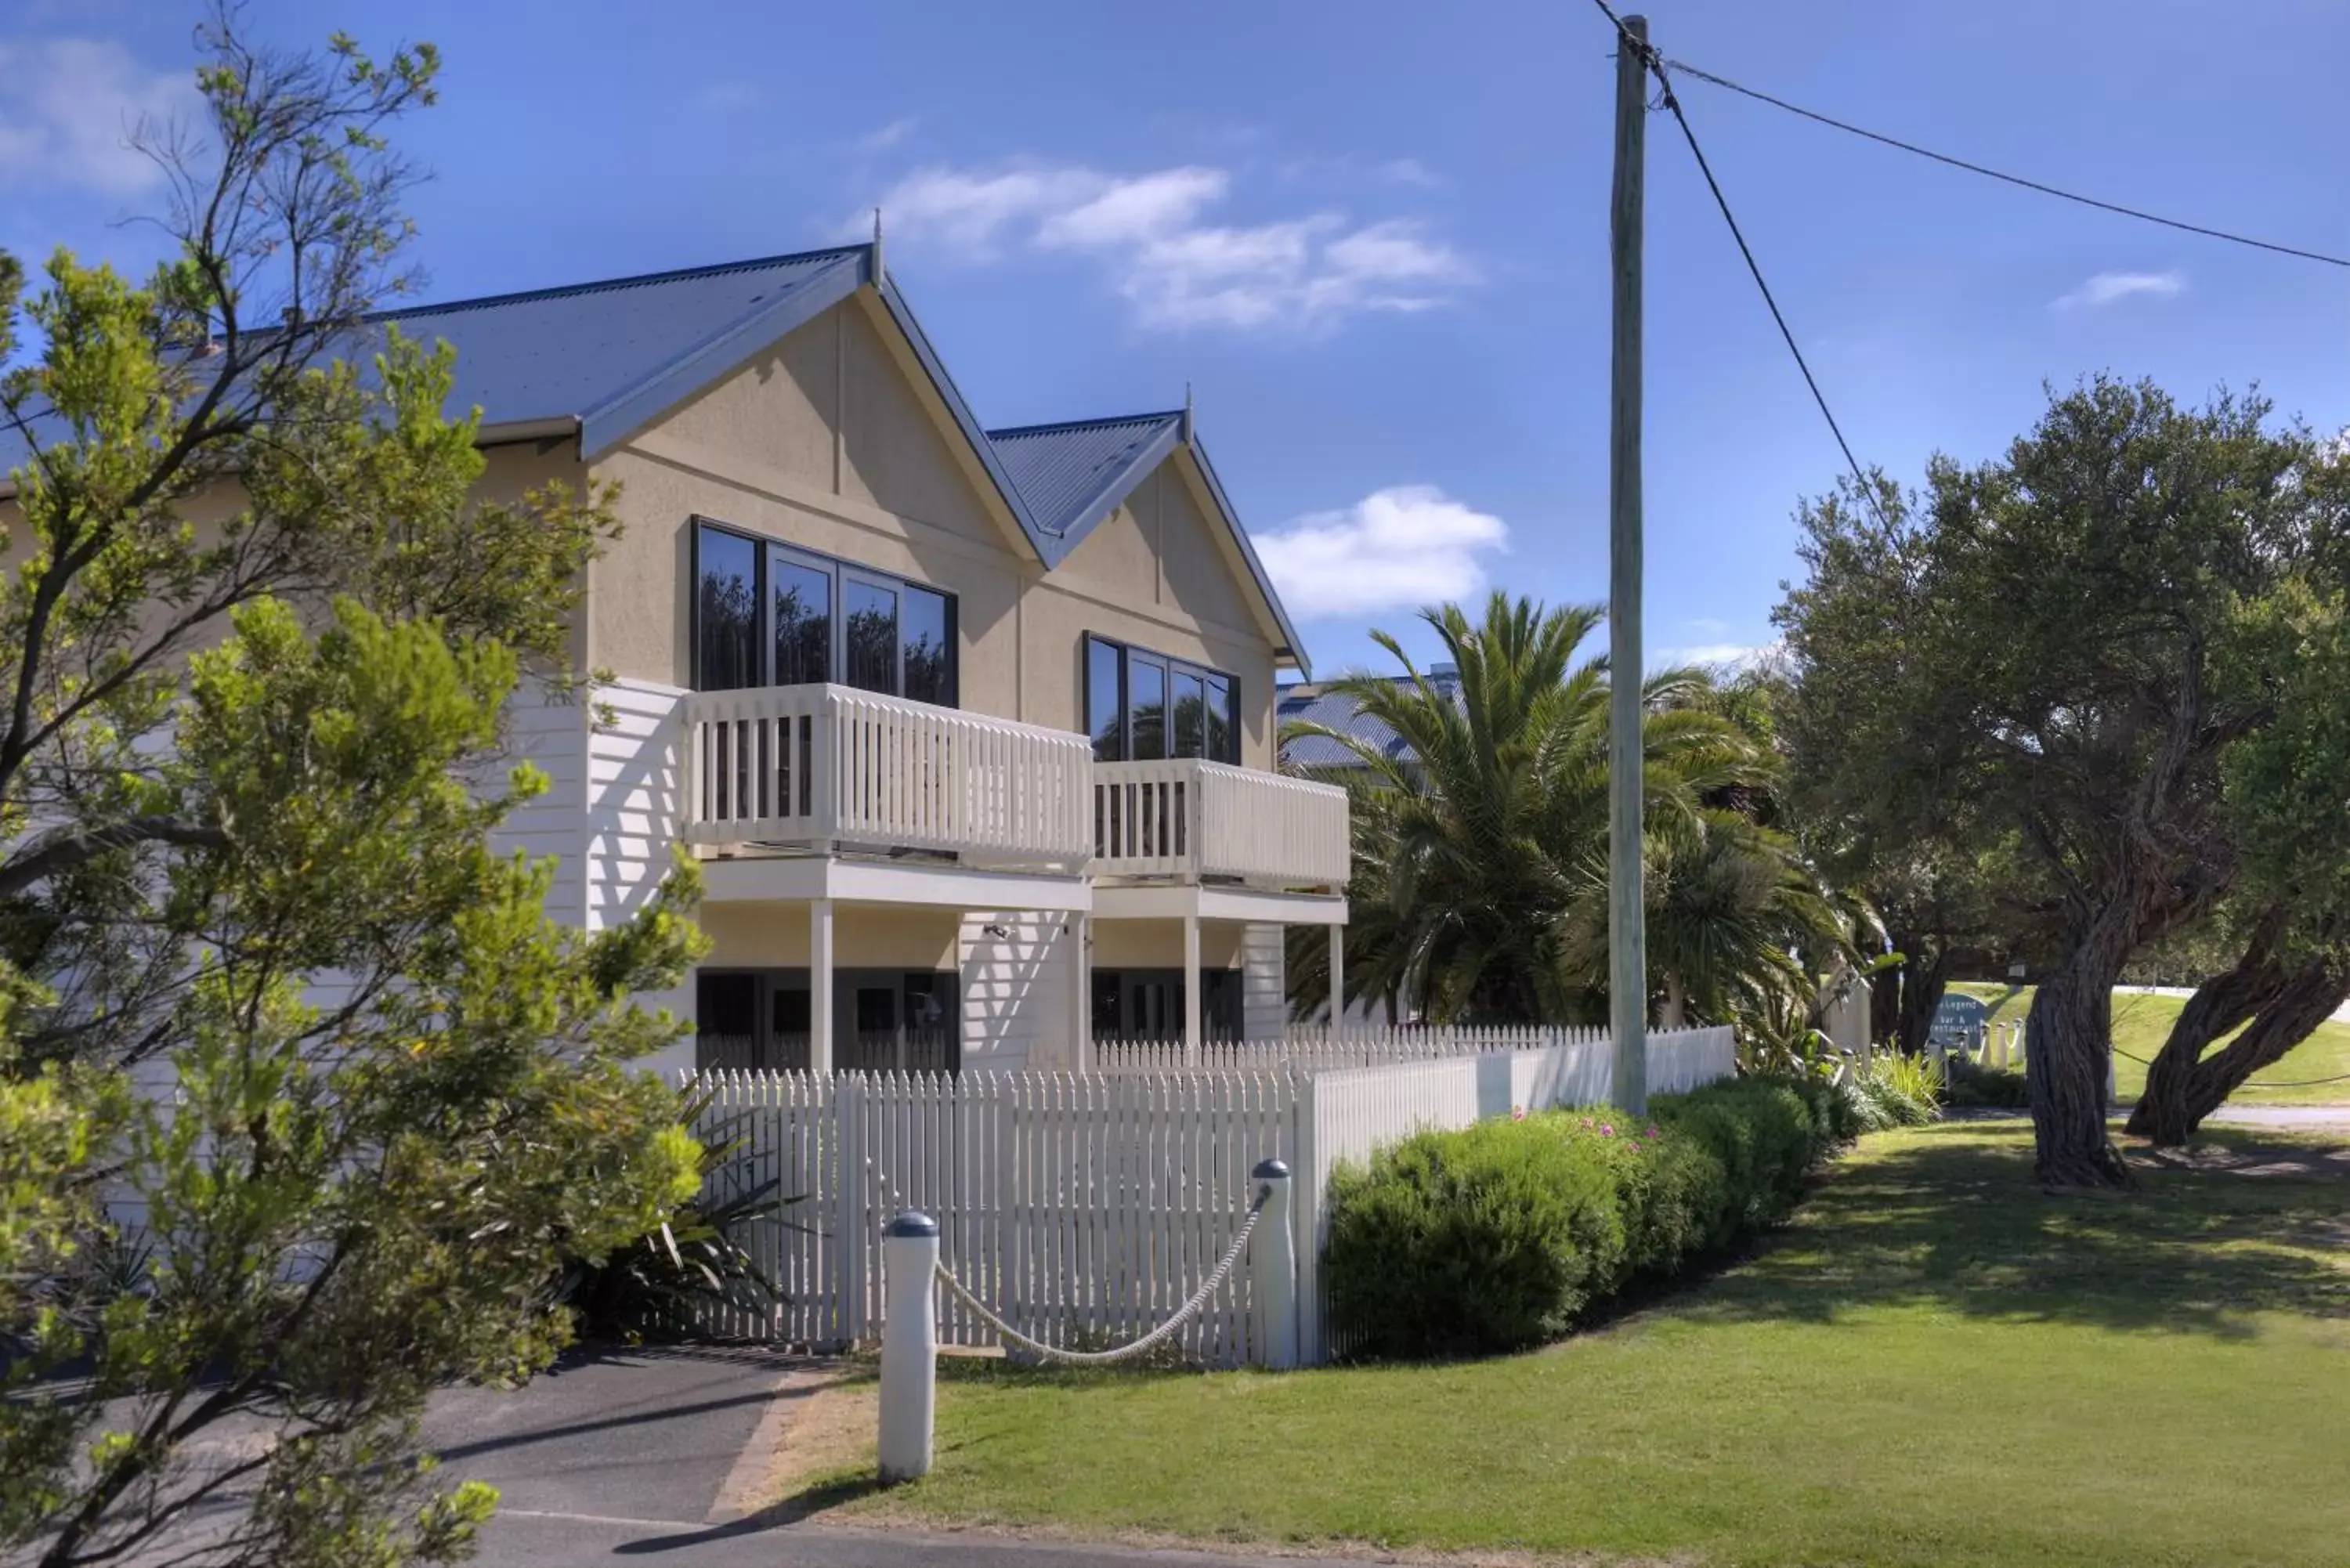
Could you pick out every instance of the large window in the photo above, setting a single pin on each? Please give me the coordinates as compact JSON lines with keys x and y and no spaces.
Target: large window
{"x":1142,"y":706}
{"x":770,"y":615}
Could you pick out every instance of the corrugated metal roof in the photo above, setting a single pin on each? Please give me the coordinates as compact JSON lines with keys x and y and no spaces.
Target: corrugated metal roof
{"x":569,"y":352}
{"x":559,"y":352}
{"x":1065,"y":470}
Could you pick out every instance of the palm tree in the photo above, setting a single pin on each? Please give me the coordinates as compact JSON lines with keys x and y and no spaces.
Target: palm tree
{"x":1481,"y":842}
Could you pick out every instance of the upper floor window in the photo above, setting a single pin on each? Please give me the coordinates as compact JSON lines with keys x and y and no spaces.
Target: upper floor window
{"x":771,"y":615}
{"x":1142,"y":706}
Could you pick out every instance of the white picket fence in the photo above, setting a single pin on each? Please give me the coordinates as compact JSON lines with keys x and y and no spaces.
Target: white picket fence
{"x":1085,"y":1208}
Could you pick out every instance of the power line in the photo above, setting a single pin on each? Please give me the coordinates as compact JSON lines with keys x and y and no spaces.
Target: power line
{"x":1655,"y":64}
{"x":2041,"y":186}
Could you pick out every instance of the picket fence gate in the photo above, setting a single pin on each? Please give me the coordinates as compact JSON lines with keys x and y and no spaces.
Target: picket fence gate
{"x":1086,"y":1209}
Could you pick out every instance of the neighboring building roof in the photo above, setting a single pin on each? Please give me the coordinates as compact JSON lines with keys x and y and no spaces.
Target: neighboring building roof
{"x":612,"y":357}
{"x":1334,"y":710}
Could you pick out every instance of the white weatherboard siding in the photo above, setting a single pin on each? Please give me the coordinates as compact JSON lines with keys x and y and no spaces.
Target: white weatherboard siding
{"x":1264,"y":1000}
{"x":549,"y":732}
{"x":1015,"y":991}
{"x":631,"y":816}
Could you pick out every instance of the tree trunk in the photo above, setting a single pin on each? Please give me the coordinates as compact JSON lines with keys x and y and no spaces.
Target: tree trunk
{"x":1675,"y":1011}
{"x":2166,"y":1112}
{"x":2192,"y":1092}
{"x":1923,"y":981}
{"x":2071,"y":1031}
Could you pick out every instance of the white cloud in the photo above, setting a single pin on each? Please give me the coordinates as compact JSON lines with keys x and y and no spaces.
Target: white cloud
{"x":887,"y":136}
{"x":1705,"y":626}
{"x":1717,"y":655}
{"x":1180,"y":270}
{"x":1408,"y":172}
{"x":68,"y":108}
{"x":1398,"y":548}
{"x":2106,"y":287}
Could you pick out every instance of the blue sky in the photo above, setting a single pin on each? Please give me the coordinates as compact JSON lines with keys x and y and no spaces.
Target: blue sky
{"x":1373,"y":236}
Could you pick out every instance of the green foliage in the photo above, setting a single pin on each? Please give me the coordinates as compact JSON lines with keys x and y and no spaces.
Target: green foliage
{"x":2035,"y":660}
{"x":1888,"y":1089}
{"x":1480,"y":845}
{"x":1508,"y":1233}
{"x":256,"y":643}
{"x":659,"y":1287}
{"x":1998,"y":1088}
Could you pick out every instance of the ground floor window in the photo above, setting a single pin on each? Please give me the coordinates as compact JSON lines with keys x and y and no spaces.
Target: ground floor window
{"x":883,"y":1019}
{"x":1148,"y":1004}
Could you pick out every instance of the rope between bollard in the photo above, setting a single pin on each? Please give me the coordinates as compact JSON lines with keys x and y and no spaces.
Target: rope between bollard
{"x":1183,"y":1314}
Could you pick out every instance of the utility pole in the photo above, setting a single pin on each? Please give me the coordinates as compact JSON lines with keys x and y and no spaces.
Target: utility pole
{"x":1627,"y":936}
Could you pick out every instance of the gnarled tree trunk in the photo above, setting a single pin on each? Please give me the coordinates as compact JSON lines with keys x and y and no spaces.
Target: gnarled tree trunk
{"x":2070,"y":1030}
{"x":2220,"y":1006}
{"x":2192,"y":1088}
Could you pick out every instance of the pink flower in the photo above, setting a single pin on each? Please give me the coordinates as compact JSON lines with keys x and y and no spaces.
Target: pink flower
{"x":1654,"y":1132}
{"x":1586,"y":1121}
{"x":1517,"y":1113}
{"x":1606,"y":1130}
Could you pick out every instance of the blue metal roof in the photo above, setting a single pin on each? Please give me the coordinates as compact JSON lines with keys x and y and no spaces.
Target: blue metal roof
{"x":1075,"y":474}
{"x":614,"y":355}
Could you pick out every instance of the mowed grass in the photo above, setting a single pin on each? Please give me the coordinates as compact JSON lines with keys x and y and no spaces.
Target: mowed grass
{"x":2141,"y":1023}
{"x":1935,"y":1365}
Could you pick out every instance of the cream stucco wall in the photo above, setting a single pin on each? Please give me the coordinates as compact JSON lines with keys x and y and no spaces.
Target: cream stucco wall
{"x":834,"y":441}
{"x":775,"y":936}
{"x":1159,"y":944}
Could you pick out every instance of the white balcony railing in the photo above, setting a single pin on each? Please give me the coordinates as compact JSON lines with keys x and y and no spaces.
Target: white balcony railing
{"x":829,"y":766}
{"x":1184,"y":817}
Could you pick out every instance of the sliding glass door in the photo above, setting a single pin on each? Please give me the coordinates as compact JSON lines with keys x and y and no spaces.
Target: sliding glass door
{"x":769,"y":614}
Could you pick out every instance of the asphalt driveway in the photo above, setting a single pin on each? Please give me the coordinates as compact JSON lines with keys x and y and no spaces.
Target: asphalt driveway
{"x":657,"y":1453}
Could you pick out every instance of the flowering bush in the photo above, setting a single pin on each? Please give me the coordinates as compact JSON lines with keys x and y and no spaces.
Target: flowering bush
{"x":1507,"y":1234}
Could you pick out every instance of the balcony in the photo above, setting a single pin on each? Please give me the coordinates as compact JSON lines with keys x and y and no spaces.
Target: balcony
{"x":1191,"y":820}
{"x":830,"y":768}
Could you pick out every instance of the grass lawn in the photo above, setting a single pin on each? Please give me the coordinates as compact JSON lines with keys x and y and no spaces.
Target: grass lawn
{"x":2141,"y":1023}
{"x":1935,"y":1365}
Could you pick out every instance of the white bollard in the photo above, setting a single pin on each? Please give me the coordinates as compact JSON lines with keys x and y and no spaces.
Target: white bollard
{"x":910,"y":1345}
{"x":1273,"y":1272}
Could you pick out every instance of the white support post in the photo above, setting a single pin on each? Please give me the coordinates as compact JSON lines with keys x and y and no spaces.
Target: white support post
{"x":1081,"y":1023}
{"x":1273,"y":1272}
{"x":910,"y":1346}
{"x":820,"y":985}
{"x":1191,"y":1032}
{"x":1337,"y":982}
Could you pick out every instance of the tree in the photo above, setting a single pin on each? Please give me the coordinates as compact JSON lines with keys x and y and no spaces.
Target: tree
{"x":2288,"y":659}
{"x":1480,"y":883}
{"x":261,"y":974}
{"x":2024,"y":655}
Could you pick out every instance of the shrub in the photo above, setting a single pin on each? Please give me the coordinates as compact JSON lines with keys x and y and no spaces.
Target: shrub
{"x":1973,"y":1084}
{"x":1886,"y":1089}
{"x":1507,"y":1234}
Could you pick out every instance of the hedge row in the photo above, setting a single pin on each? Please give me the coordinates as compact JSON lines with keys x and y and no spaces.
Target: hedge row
{"x":1507,"y":1234}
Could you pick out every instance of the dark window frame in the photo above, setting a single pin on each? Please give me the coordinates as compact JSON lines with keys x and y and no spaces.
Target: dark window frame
{"x":1172,"y":670}
{"x":841,"y":574}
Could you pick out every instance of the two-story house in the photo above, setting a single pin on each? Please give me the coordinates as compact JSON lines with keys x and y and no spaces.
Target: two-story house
{"x":973,"y":731}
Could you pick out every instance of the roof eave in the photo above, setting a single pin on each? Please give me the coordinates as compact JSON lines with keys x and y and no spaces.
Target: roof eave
{"x":1112,"y":492}
{"x":633,"y":406}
